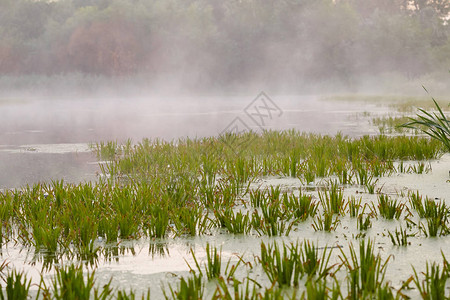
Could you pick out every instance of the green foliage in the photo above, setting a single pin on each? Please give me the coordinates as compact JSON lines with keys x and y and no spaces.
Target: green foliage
{"x":433,"y":285}
{"x":389,"y":208}
{"x":436,"y":125}
{"x":366,"y":271}
{"x":188,"y":289}
{"x":17,"y":286}
{"x":70,"y":283}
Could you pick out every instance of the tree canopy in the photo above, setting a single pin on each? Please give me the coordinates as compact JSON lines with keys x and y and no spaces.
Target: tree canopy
{"x":215,"y":42}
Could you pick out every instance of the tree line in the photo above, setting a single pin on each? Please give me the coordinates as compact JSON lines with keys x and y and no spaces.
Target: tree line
{"x":216,"y":42}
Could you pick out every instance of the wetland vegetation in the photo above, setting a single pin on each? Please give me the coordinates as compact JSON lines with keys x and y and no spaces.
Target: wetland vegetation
{"x":277,"y":214}
{"x":156,"y":191}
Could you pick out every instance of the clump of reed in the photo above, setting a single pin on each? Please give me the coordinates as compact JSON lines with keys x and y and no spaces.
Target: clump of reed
{"x":190,"y":288}
{"x":388,"y":208}
{"x":17,"y":286}
{"x":435,"y":125}
{"x":433,"y":286}
{"x":287,"y":264}
{"x":399,"y":237}
{"x":365,"y":272}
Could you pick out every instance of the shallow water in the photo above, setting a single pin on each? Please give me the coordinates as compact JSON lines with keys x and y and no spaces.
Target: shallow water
{"x":156,"y":264}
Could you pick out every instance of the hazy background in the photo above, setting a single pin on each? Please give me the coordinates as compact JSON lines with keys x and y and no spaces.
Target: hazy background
{"x":118,"y":47}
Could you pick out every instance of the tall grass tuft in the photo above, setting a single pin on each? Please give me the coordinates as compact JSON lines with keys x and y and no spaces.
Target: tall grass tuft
{"x":188,"y":289}
{"x":366,"y":271}
{"x":17,"y":286}
{"x":436,"y":125}
{"x":433,"y":285}
{"x":69,"y":283}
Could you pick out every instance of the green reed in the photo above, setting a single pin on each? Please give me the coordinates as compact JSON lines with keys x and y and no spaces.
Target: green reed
{"x":326,"y":222}
{"x":17,"y":286}
{"x":191,"y":288}
{"x":301,"y":206}
{"x":433,"y":286}
{"x":282,"y":265}
{"x":213,"y":263}
{"x":365,"y":272}
{"x":332,"y":199}
{"x":389,"y":208}
{"x":399,"y":237}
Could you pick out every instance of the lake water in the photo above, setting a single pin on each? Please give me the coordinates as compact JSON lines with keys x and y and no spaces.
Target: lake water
{"x":44,"y":140}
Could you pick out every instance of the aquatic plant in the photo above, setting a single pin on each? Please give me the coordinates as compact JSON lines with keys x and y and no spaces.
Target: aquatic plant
{"x":436,"y":226}
{"x":282,"y":266}
{"x":319,"y":289}
{"x":212,"y":265}
{"x":433,"y":286}
{"x":131,"y":295}
{"x":271,"y":225}
{"x":236,"y":223}
{"x":191,"y":288}
{"x":435,"y":125}
{"x":238,"y":292}
{"x":365,"y":273}
{"x":332,"y":199}
{"x":428,"y":208}
{"x":326,"y":222}
{"x":158,"y":221}
{"x":17,"y":286}
{"x":399,"y":237}
{"x":312,"y":263}
{"x":258,"y":198}
{"x":301,"y":207}
{"x":70,"y":283}
{"x":191,"y":221}
{"x":354,"y":206}
{"x":389,"y":208}
{"x":363,"y":223}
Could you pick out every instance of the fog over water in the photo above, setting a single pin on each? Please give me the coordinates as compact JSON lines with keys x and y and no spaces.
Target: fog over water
{"x":49,"y":139}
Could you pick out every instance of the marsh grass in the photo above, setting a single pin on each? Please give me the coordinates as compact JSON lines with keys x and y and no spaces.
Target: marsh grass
{"x":400,"y":237}
{"x":363,"y":222}
{"x":354,"y":206}
{"x":191,"y":221}
{"x":239,"y":291}
{"x":271,"y":225}
{"x":236,"y":223}
{"x":435,"y":125}
{"x":164,"y":190}
{"x":131,"y":295}
{"x":326,"y":222}
{"x":282,"y":265}
{"x":388,"y":208}
{"x":17,"y":286}
{"x":213,"y":263}
{"x":258,"y":198}
{"x":188,"y":289}
{"x":107,"y":150}
{"x":435,"y":227}
{"x":301,"y":206}
{"x":433,"y":286}
{"x":428,"y":208}
{"x":70,"y":283}
{"x":366,"y":271}
{"x":332,"y":200}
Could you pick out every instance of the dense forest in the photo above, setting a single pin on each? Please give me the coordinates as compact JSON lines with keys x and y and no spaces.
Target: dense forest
{"x":212,"y":43}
